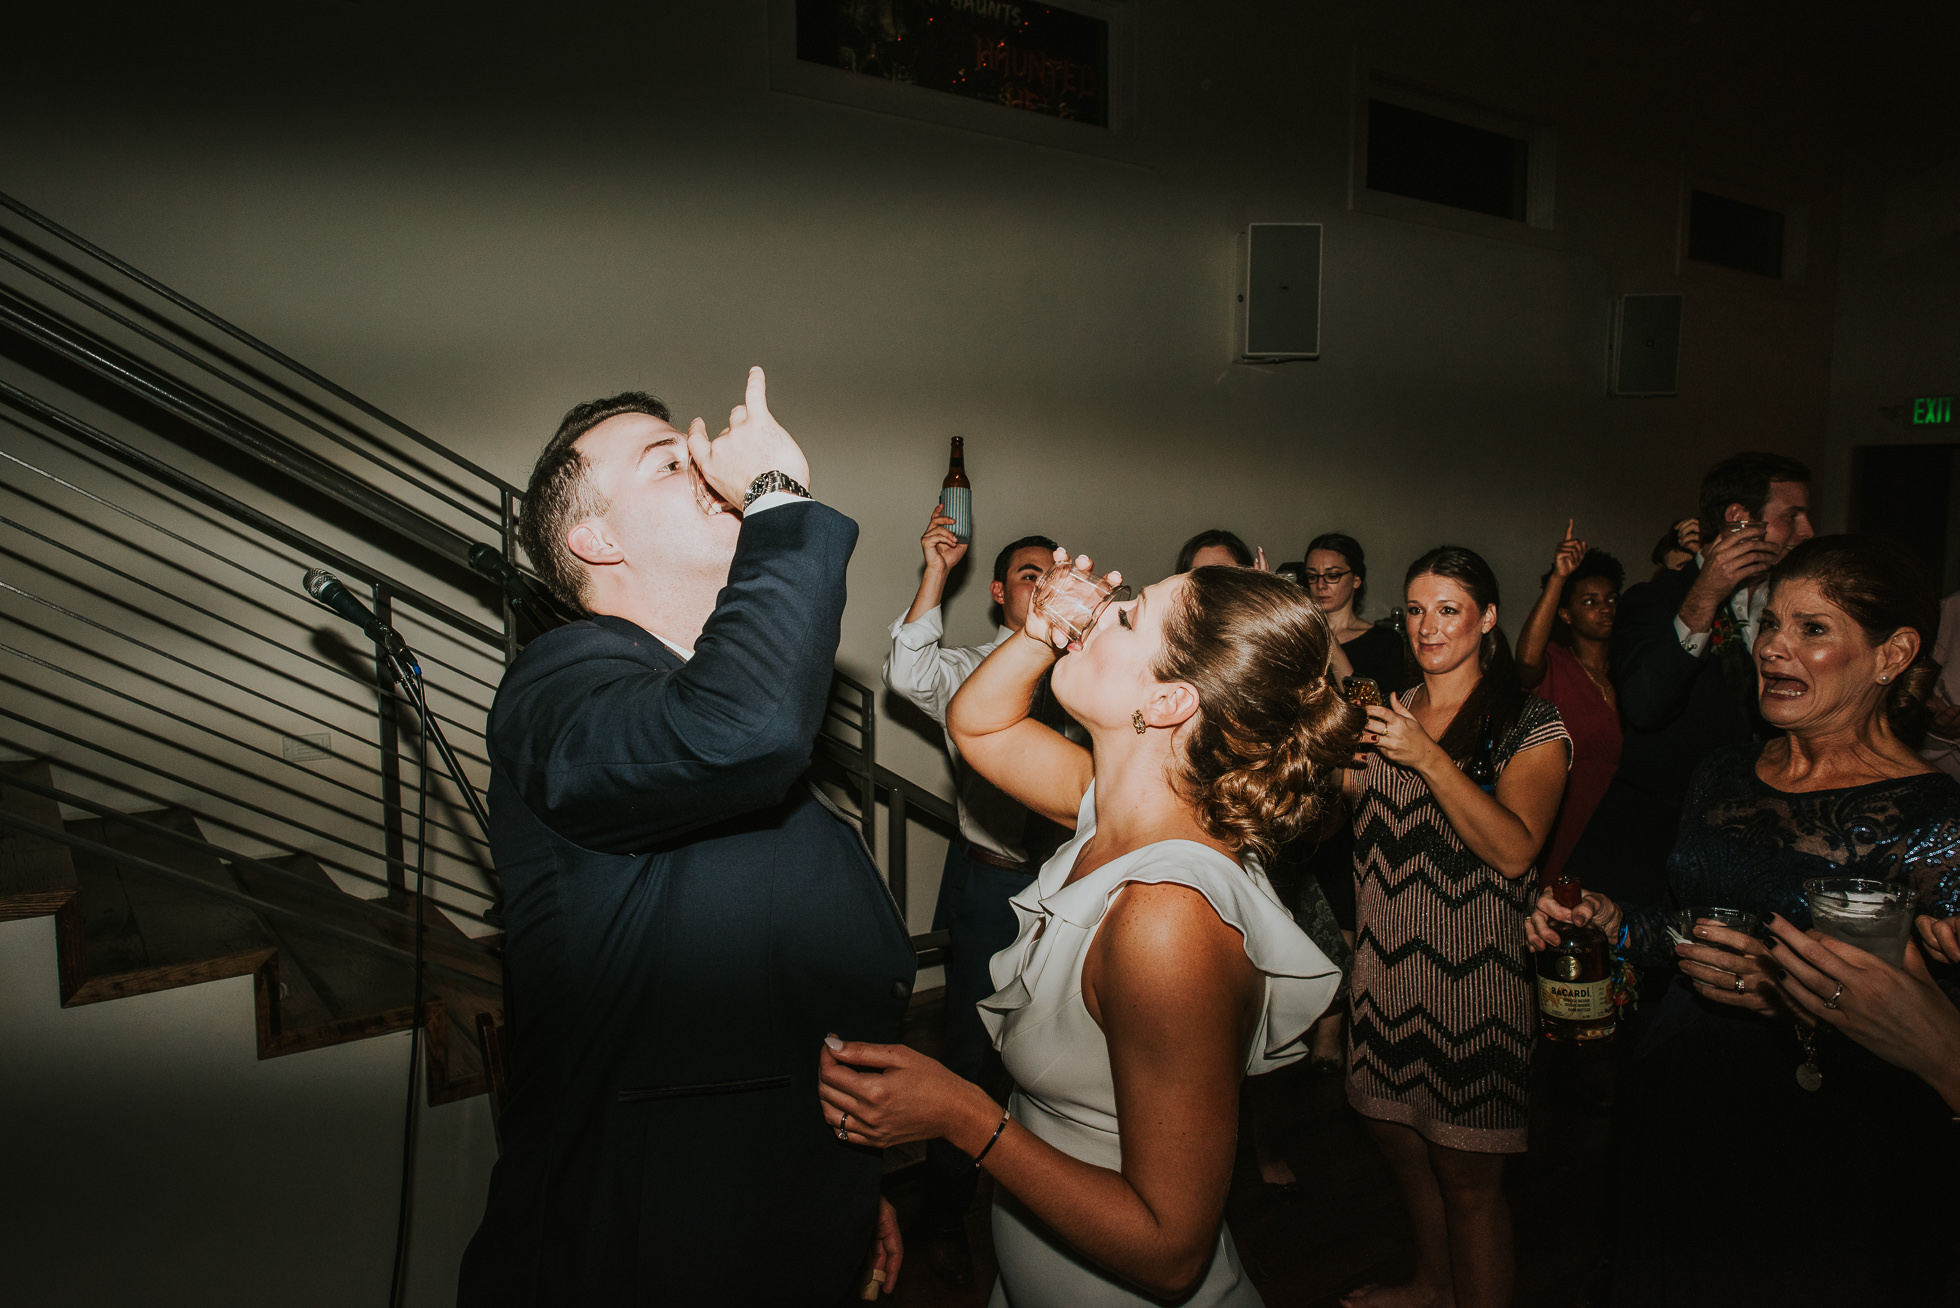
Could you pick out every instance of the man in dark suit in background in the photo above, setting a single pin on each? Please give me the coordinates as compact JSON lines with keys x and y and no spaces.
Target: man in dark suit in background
{"x":1684,"y":669}
{"x":686,"y":918}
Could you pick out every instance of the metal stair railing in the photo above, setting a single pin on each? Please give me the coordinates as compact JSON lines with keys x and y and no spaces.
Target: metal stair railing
{"x":165,"y":477}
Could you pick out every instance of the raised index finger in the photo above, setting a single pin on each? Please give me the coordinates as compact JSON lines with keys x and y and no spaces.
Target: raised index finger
{"x":757,"y":398}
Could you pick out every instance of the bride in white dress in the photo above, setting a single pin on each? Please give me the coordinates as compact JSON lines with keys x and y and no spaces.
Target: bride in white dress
{"x":1155,"y":967}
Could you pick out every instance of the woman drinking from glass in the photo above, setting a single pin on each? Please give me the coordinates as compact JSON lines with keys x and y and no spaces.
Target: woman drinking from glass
{"x":1766,"y":1160}
{"x":1443,"y":1019}
{"x":1155,"y":967}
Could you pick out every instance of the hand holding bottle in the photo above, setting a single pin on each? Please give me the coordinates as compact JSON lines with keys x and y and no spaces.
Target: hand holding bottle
{"x":1541,"y":929}
{"x":942,"y":548}
{"x":1399,"y":737}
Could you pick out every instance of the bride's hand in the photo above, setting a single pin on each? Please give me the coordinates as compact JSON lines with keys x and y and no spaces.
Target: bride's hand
{"x":1037,"y":627}
{"x":900,"y":1096}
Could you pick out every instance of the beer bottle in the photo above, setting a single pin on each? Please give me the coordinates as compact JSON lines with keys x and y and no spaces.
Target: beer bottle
{"x":957,"y":494}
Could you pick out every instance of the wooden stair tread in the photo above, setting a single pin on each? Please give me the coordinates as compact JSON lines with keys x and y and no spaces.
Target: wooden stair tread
{"x":322,"y":989}
{"x":455,"y":1054}
{"x":130,"y":931}
{"x":37,"y":875}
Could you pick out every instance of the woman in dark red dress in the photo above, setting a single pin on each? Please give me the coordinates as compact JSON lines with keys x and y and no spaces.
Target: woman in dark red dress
{"x":1563,"y":655}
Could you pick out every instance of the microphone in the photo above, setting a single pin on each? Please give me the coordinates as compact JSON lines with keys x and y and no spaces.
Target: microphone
{"x":326,"y":588}
{"x":487,"y":560}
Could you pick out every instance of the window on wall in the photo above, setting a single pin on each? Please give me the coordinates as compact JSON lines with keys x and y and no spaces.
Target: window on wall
{"x":1427,"y":156}
{"x":1731,"y":234}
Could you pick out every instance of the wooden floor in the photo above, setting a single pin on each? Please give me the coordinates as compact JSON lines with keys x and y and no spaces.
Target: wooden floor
{"x":1346,"y":1228}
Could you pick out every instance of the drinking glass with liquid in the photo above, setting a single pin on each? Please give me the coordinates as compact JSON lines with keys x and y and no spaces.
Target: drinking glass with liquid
{"x":1875,"y":916}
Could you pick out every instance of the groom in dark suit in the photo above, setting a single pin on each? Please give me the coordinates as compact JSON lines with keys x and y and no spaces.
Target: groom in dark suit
{"x":686,"y":918}
{"x":1685,"y":668}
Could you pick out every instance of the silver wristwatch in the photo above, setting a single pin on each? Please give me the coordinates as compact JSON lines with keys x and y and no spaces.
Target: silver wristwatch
{"x":773,"y":481}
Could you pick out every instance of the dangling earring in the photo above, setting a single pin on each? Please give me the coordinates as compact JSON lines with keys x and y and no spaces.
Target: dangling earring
{"x":1136,"y":720}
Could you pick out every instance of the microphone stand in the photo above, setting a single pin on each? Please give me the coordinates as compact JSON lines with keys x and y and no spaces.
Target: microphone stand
{"x":401,"y":665}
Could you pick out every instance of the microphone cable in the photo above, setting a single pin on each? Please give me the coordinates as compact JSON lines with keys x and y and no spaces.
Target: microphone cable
{"x":398,"y":1283}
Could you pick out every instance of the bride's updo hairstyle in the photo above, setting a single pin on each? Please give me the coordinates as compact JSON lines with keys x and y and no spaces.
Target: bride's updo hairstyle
{"x":1882,"y":586}
{"x":1271,"y":733}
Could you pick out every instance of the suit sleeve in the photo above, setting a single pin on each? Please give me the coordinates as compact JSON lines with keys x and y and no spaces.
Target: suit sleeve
{"x":1655,"y":673}
{"x":618,"y":756}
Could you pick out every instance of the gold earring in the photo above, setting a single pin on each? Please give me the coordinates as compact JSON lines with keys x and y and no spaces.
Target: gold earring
{"x":1136,"y":720}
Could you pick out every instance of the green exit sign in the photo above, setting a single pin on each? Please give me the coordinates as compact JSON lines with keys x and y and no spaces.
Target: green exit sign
{"x":1932,"y":411}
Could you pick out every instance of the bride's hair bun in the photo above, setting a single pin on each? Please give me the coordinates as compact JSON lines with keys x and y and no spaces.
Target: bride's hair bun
{"x":1272,"y":733}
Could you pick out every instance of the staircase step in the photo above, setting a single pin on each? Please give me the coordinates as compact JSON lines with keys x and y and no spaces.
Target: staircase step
{"x":321,"y":989}
{"x":455,"y":1053}
{"x":37,"y":875}
{"x":130,"y":931}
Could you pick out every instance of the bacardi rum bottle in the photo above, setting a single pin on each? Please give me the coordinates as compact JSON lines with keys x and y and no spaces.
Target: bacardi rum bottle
{"x":1575,"y":978}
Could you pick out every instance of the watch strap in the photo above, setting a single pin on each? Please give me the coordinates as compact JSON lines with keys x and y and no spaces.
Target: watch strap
{"x":771,"y":481}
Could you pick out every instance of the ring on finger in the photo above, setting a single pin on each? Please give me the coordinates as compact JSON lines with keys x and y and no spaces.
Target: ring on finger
{"x":1739,"y":987}
{"x":843,"y":1128}
{"x":1836,"y":995}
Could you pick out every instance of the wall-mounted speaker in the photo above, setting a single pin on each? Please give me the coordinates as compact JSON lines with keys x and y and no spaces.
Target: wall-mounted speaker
{"x":1646,"y":356}
{"x":1278,"y":314}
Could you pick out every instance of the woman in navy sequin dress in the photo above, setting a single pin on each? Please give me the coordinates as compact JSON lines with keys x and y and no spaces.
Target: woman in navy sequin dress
{"x":1738,"y":1183}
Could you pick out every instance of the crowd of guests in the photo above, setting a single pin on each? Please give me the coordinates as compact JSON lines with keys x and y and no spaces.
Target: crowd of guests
{"x":1748,"y":717}
{"x":1192,"y":851}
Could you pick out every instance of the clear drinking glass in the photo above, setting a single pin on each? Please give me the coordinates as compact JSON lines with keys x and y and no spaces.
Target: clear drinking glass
{"x":1681,"y":924}
{"x":1072,"y":600}
{"x":1873,"y":915}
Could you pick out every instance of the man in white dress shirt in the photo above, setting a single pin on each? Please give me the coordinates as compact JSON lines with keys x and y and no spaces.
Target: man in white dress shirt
{"x":999,"y":848}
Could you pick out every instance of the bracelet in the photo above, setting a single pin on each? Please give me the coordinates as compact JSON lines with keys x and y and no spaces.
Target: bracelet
{"x":992,"y":1139}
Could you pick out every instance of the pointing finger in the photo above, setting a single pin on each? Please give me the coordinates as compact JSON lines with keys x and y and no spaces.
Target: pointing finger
{"x":758,"y":392}
{"x":1568,"y":528}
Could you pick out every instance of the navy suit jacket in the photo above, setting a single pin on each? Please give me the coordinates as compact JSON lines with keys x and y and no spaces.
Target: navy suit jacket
{"x":684,"y":924}
{"x":1677,"y":707}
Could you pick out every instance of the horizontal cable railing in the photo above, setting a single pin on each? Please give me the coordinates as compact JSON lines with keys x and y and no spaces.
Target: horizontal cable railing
{"x":165,"y":478}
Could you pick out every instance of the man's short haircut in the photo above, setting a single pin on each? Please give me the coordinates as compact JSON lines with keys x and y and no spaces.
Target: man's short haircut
{"x":559,"y":495}
{"x":1216,"y":536}
{"x":1008,"y":551}
{"x":1743,"y":479}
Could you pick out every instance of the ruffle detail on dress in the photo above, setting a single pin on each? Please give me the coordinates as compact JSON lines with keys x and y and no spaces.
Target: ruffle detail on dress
{"x":1300,"y":980}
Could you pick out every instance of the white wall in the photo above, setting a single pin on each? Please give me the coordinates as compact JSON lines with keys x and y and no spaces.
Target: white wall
{"x":152,"y":1159}
{"x":476,"y":221}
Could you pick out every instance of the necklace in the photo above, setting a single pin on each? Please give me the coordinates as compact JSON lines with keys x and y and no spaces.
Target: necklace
{"x":1807,"y":1074}
{"x":1605,"y":686}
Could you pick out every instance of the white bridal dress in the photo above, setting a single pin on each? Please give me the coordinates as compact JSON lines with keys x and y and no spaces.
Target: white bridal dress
{"x":1060,"y":1062}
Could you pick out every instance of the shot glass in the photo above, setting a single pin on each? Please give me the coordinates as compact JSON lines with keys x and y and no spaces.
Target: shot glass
{"x":1072,"y":600}
{"x":1681,"y":924}
{"x":1873,"y":915}
{"x":1362,"y":692}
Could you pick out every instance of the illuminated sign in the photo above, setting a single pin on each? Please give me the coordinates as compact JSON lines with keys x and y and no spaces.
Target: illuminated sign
{"x":1932,"y":411}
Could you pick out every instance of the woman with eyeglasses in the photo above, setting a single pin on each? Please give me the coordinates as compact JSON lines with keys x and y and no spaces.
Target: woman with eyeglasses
{"x":1336,"y":578}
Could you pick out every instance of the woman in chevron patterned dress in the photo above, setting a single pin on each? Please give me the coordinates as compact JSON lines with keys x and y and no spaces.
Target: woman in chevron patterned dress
{"x":1443,"y":1016}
